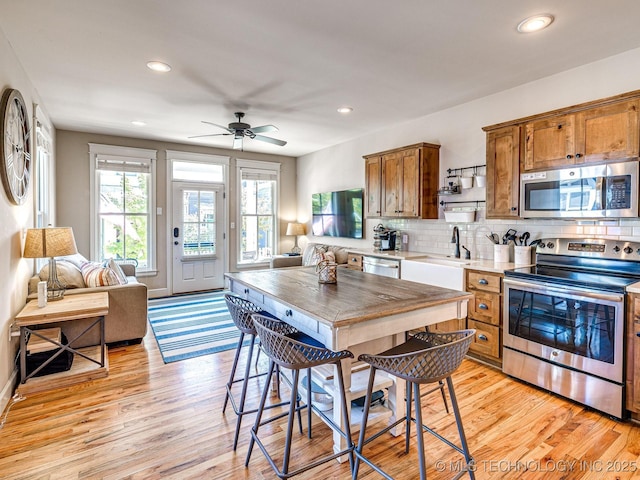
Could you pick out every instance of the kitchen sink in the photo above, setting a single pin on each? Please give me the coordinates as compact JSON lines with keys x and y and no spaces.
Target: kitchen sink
{"x":438,"y":271}
{"x":453,"y":262}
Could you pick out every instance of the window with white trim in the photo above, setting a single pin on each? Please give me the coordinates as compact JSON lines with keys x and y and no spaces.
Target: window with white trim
{"x":257,"y":210}
{"x":123,"y":204}
{"x":43,"y":178}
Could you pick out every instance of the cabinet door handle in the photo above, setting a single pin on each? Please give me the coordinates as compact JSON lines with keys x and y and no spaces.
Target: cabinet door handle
{"x":637,"y":334}
{"x":482,"y":281}
{"x":578,"y":155}
{"x":569,"y":157}
{"x":483,"y":337}
{"x":483,"y":306}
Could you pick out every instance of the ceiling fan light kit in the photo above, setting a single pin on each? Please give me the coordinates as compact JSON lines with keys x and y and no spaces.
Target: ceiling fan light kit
{"x":239,"y":130}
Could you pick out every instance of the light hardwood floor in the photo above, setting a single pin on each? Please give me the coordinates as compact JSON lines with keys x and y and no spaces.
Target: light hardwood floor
{"x":148,"y":420}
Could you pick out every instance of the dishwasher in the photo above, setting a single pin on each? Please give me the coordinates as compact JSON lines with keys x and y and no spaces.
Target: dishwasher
{"x":386,"y":267}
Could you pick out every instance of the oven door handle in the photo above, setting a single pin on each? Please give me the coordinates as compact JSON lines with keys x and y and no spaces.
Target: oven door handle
{"x":600,"y":194}
{"x":546,"y":287}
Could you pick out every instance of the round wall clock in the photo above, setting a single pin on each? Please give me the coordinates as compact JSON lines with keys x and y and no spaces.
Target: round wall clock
{"x":15,"y":146}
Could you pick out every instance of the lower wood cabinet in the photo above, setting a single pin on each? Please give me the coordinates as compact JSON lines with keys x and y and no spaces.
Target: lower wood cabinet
{"x":448,"y":326}
{"x":633,"y":356}
{"x":485,"y":315}
{"x":354,"y":261}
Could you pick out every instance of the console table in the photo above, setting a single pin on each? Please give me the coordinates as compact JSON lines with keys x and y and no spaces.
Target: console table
{"x":362,"y":312}
{"x":89,"y":362}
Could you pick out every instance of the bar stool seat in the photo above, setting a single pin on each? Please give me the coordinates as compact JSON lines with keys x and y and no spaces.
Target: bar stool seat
{"x":281,"y":344}
{"x":424,"y":358}
{"x":241,"y":311}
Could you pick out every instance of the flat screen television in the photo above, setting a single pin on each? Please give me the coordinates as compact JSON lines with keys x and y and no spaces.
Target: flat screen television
{"x":338,"y":214}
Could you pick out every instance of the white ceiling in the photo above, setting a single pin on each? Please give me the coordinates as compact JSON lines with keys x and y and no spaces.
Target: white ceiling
{"x":291,"y":63}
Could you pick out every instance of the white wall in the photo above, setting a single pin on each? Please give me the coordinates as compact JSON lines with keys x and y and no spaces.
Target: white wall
{"x":459,"y":131}
{"x":14,"y":270}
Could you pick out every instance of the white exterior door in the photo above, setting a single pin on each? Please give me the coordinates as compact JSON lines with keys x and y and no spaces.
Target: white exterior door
{"x":197,"y":237}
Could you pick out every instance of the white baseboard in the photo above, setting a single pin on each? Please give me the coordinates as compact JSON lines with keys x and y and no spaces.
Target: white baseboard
{"x":7,"y":390}
{"x":158,"y":292}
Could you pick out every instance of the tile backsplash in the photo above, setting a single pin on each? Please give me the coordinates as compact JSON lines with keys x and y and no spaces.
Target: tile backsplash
{"x":434,"y":236}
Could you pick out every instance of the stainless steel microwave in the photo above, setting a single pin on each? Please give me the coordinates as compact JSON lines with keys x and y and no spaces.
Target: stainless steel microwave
{"x":598,"y":191}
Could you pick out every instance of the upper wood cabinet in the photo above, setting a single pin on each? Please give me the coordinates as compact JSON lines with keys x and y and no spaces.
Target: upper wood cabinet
{"x":594,"y":132}
{"x":503,"y":172}
{"x":608,"y":133}
{"x":373,"y":177}
{"x":549,"y":142}
{"x":598,"y":134}
{"x":403,"y":182}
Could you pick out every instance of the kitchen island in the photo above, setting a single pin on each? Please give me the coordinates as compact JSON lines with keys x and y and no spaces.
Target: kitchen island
{"x":362,"y":312}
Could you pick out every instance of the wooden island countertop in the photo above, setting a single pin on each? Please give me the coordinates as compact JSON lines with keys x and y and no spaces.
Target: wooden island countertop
{"x":362,"y":312}
{"x":356,"y":297}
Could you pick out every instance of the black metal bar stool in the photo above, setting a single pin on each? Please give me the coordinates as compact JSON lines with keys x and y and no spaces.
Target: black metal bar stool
{"x":284,"y":350}
{"x":241,"y":311}
{"x":422,"y":359}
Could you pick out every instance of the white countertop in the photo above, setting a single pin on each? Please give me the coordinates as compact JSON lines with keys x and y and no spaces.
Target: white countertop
{"x":634,"y":288}
{"x":399,"y":254}
{"x":478,"y":264}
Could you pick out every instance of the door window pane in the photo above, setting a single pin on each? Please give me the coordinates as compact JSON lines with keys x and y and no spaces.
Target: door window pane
{"x":199,"y":223}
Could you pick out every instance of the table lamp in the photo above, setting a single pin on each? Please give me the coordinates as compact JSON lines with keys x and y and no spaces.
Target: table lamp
{"x":49,"y":243}
{"x":296,"y":229}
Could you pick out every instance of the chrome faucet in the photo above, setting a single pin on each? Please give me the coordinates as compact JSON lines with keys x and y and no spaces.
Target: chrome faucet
{"x":456,"y":239}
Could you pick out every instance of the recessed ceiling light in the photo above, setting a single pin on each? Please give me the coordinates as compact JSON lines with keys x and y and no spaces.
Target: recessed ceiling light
{"x":138,"y":123}
{"x":345,"y":110}
{"x":159,"y":66}
{"x":535,"y":23}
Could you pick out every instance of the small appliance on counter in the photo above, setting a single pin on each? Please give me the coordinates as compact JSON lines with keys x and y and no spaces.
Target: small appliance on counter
{"x":384,"y":238}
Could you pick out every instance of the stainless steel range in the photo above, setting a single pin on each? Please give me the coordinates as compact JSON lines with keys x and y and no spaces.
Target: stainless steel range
{"x":564,"y":319}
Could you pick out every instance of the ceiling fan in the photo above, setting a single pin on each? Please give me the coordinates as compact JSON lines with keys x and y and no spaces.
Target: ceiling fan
{"x":240,"y":130}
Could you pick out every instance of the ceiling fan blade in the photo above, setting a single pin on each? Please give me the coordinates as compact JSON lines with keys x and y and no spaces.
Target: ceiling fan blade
{"x":237,"y":143}
{"x":264,"y":128}
{"x":209,"y":135}
{"x":219,"y":126}
{"x":275,"y":141}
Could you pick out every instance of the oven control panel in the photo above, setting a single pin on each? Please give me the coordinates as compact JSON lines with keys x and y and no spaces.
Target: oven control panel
{"x":585,"y":247}
{"x":590,"y":247}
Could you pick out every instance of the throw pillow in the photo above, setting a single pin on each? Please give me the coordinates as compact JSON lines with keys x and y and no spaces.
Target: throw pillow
{"x":316,"y":256}
{"x":68,"y":274}
{"x":95,"y":275}
{"x":340,"y":253}
{"x":77,"y":259}
{"x":113,"y":265}
{"x":329,"y":257}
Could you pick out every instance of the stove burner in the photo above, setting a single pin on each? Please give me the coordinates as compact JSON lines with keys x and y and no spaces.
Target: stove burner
{"x":597,"y":264}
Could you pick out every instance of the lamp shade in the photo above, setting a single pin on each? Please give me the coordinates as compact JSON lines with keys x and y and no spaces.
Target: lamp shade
{"x":296,"y":229}
{"x":49,"y":242}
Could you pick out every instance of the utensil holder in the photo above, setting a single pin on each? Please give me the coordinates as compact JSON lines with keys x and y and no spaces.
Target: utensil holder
{"x":479,"y":181}
{"x":466,"y":182}
{"x":522,"y":255}
{"x":501,"y":253}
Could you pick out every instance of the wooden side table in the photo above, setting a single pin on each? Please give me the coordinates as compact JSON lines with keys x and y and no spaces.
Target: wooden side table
{"x":89,"y":362}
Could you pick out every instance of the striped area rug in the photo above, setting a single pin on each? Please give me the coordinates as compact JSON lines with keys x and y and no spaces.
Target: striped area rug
{"x":189,"y":326}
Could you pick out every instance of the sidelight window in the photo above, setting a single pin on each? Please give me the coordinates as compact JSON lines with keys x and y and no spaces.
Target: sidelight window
{"x":258,"y":196}
{"x":123,"y":193}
